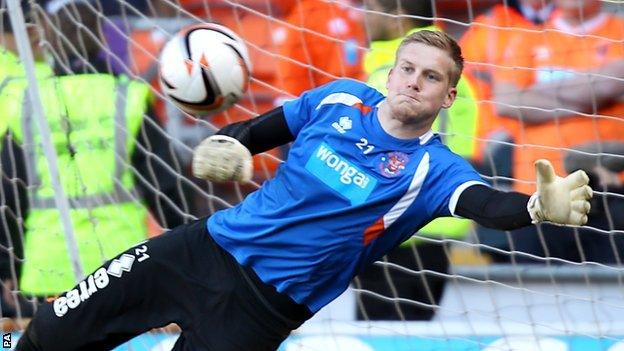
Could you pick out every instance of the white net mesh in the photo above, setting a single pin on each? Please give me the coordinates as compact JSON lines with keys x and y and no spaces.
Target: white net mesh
{"x":548,"y":289}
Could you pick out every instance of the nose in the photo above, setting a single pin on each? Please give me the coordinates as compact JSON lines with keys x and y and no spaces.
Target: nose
{"x":414,"y":83}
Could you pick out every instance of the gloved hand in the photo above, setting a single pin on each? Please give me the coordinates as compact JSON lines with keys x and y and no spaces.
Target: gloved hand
{"x":560,"y":200}
{"x":220,"y":158}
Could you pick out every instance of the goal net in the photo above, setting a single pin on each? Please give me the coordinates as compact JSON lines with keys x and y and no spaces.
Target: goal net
{"x":453,"y":286}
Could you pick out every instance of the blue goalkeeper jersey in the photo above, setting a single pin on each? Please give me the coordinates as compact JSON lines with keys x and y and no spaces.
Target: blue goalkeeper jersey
{"x":348,"y":193}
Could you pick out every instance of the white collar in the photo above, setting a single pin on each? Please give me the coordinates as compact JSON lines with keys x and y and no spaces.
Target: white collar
{"x":426,"y":137}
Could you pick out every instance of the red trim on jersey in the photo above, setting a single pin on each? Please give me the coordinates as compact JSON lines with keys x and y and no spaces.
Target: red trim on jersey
{"x":371,"y":233}
{"x":363,"y":108}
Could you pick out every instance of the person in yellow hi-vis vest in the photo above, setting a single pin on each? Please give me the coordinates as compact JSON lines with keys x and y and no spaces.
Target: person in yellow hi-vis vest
{"x":110,"y":155}
{"x":457,"y":127}
{"x":11,"y":68}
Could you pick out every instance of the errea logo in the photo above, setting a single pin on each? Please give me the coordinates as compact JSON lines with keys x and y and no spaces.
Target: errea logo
{"x":343,"y":124}
{"x":99,"y":280}
{"x":94,"y":282}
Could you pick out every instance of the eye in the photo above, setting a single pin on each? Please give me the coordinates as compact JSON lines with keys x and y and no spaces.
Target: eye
{"x":433,"y":77}
{"x":407,"y":69}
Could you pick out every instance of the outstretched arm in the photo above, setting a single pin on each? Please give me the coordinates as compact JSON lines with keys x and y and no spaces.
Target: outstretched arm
{"x":558,"y":200}
{"x":226,"y":156}
{"x":262,"y":133}
{"x":493,"y":208}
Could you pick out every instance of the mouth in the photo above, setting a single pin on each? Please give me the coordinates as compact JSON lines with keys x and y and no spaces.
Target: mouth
{"x":410,"y":97}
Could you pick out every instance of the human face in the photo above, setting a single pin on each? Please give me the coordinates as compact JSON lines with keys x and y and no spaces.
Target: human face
{"x":419,"y":84}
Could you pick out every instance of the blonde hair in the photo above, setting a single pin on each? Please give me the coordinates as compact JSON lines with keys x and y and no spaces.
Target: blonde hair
{"x":441,"y":41}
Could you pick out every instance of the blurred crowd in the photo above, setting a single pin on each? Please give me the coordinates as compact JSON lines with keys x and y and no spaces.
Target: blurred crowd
{"x":542,"y":80}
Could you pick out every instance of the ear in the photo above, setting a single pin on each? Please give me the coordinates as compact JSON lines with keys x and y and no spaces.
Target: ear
{"x":450,"y":97}
{"x":389,"y":75}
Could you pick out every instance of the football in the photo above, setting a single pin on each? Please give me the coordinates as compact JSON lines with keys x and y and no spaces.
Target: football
{"x":204,"y":68}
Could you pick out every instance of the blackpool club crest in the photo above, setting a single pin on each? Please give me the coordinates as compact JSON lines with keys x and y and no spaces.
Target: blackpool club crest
{"x":393,"y":163}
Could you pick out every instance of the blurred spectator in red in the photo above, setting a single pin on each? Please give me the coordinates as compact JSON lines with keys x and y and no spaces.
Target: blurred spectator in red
{"x":547,"y":88}
{"x":483,"y":46}
{"x":320,"y":42}
{"x":564,"y":86}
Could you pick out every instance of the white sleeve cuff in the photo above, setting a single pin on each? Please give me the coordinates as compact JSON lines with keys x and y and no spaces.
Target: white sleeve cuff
{"x":458,"y":191}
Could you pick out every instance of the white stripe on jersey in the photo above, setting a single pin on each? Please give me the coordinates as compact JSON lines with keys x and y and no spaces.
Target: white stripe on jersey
{"x":339,"y":98}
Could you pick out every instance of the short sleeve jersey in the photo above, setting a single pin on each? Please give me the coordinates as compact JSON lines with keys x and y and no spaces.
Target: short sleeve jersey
{"x":348,"y":193}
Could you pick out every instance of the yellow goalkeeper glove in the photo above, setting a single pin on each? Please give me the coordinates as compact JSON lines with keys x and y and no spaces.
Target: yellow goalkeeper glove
{"x":220,"y":158}
{"x":560,"y":200}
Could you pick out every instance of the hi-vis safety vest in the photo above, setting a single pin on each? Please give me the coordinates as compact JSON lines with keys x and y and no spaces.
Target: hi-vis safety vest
{"x":94,"y":120}
{"x":457,"y":125}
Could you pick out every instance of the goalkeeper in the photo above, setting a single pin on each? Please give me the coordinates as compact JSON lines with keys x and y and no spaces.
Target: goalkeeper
{"x":363,"y":174}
